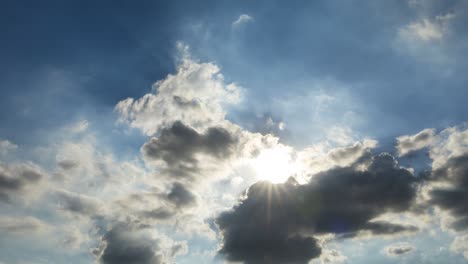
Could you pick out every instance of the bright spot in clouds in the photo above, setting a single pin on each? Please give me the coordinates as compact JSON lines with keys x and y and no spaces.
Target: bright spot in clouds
{"x":275,"y":164}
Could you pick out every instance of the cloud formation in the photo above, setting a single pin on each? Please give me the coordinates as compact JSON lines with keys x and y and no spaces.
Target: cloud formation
{"x":341,"y":201}
{"x":18,"y":179}
{"x":407,"y":144}
{"x":243,"y":19}
{"x":181,"y":148}
{"x":398,"y":249}
{"x":195,"y":96}
{"x":128,"y":244}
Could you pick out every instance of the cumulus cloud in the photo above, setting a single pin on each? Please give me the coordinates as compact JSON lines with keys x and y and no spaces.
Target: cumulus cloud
{"x":409,"y":143}
{"x":447,"y":181}
{"x":398,"y":249}
{"x":323,"y":157}
{"x":243,"y":19}
{"x":277,"y":223}
{"x":20,"y":179}
{"x":130,"y":244}
{"x":195,"y":95}
{"x":446,"y":184}
{"x":181,"y":148}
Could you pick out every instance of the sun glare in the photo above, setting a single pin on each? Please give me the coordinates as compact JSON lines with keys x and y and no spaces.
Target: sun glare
{"x":274,"y":165}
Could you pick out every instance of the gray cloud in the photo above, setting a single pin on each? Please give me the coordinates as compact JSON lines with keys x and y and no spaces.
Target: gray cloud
{"x":180,"y":196}
{"x":130,"y":243}
{"x":67,"y":164}
{"x":398,"y":249}
{"x":276,"y":223}
{"x":178,"y":147}
{"x":159,"y":214}
{"x":76,"y":203}
{"x":407,"y":144}
{"x":124,"y":245}
{"x":15,"y":179}
{"x":453,"y":198}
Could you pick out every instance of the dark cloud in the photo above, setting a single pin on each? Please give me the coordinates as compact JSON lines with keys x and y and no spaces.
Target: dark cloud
{"x":178,"y":146}
{"x":452,"y":199}
{"x":180,"y":196}
{"x":67,"y":164}
{"x":159,"y":214}
{"x":124,"y":245}
{"x":396,"y":250}
{"x":76,"y":203}
{"x":14,"y":180}
{"x":276,"y":223}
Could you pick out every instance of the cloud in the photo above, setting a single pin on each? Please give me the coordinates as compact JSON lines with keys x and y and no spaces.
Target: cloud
{"x":77,"y":203}
{"x":77,"y":127}
{"x":427,"y":29}
{"x":130,"y":244}
{"x":460,"y":245}
{"x":67,"y":164}
{"x":6,"y":147}
{"x":424,"y":30}
{"x":398,"y":249}
{"x":453,"y":196}
{"x":446,"y":185}
{"x":20,"y":179}
{"x":277,"y":223}
{"x":409,"y":143}
{"x":323,"y":157}
{"x":124,"y":245}
{"x":181,"y":149}
{"x":195,"y":96}
{"x":22,"y":225}
{"x":180,"y":196}
{"x":242,"y":20}
{"x":332,"y":256}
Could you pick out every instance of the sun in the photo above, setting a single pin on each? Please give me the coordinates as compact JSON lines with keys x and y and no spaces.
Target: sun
{"x":275,"y":164}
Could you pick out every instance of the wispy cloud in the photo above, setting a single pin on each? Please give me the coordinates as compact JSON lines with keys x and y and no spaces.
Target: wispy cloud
{"x":243,"y":19}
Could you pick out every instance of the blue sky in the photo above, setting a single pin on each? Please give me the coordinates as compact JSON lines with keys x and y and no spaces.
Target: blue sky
{"x":142,"y":132}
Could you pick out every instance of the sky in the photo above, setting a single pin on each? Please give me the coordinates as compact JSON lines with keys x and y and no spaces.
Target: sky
{"x":255,"y":132}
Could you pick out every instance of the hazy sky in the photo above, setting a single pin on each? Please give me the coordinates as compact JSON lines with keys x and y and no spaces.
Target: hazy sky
{"x":256,"y":132}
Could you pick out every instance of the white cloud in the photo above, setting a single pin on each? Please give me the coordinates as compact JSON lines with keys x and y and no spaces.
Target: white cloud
{"x":195,"y":95}
{"x":460,"y":245}
{"x":410,"y":143}
{"x":332,"y":256}
{"x":243,"y":19}
{"x":427,"y":29}
{"x":424,"y":30}
{"x":450,"y":142}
